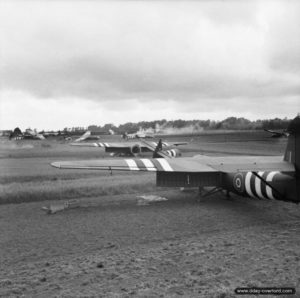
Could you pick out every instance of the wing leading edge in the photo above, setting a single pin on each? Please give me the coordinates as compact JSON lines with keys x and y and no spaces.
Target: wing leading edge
{"x":137,"y":164}
{"x":117,"y":145}
{"x":185,"y":164}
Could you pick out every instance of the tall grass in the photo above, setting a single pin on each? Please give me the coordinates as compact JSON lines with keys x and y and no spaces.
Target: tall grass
{"x":78,"y":188}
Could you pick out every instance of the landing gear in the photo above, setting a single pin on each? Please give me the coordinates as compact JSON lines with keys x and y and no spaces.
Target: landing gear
{"x":228,"y":197}
{"x":201,"y":189}
{"x":199,"y":197}
{"x":202,"y":193}
{"x":205,"y":193}
{"x":209,"y":192}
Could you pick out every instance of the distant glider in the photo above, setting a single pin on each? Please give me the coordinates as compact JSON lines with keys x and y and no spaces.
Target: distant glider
{"x":136,"y":148}
{"x":30,"y":134}
{"x":141,"y":134}
{"x":87,"y":136}
{"x":277,"y":134}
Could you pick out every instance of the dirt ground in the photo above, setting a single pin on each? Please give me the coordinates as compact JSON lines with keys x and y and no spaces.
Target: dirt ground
{"x":112,"y":246}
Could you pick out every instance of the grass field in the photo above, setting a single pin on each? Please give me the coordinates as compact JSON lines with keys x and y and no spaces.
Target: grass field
{"x":27,"y":176}
{"x":111,"y":246}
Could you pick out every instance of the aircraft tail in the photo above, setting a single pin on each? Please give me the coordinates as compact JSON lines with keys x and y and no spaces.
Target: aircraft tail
{"x":84,"y":136}
{"x":292,"y":152}
{"x":158,"y":153}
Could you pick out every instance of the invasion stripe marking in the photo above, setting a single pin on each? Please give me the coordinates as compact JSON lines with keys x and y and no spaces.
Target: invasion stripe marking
{"x":132,"y":165}
{"x":140,"y":164}
{"x":252,"y":185}
{"x":148,"y":164}
{"x":263,"y":185}
{"x":157,"y":165}
{"x":174,"y":152}
{"x":105,"y":144}
{"x":247,"y":184}
{"x":165,"y":165}
{"x":268,"y":188}
{"x":258,"y":185}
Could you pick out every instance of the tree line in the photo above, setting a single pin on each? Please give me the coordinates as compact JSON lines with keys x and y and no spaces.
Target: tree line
{"x":231,"y":123}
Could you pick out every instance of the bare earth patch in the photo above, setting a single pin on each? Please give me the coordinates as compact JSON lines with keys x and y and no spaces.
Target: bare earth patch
{"x":178,"y":247}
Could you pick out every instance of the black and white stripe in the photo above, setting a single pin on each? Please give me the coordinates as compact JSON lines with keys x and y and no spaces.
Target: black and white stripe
{"x":143,"y":164}
{"x":101,"y":144}
{"x":256,"y":188}
{"x":164,"y":144}
{"x":171,"y":152}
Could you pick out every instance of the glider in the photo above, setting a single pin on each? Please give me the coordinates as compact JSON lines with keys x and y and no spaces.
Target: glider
{"x":141,"y":134}
{"x":87,"y":136}
{"x":277,"y":134}
{"x":136,"y":148}
{"x":30,"y":134}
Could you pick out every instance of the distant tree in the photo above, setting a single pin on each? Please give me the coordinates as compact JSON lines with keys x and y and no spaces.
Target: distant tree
{"x":232,"y":123}
{"x":275,"y":123}
{"x":179,"y":123}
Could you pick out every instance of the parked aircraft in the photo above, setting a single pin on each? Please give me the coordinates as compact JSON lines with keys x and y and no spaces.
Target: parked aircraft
{"x":277,"y":134}
{"x":52,"y":133}
{"x":16,"y":134}
{"x":87,"y":136}
{"x":31,"y":134}
{"x":136,"y":148}
{"x":141,"y":134}
{"x":262,"y":177}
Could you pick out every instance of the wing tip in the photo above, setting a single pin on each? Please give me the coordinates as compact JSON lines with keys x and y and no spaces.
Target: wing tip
{"x":55,"y":164}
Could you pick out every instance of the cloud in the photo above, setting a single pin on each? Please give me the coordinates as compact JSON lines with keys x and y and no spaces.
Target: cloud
{"x":282,"y":40}
{"x":135,"y":53}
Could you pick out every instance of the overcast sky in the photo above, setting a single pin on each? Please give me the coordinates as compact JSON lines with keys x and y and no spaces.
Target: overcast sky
{"x":75,"y":63}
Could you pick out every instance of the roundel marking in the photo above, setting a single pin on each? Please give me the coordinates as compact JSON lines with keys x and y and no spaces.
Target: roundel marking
{"x":238,"y":182}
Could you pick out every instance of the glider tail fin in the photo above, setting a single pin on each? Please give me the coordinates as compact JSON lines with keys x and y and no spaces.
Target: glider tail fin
{"x":157,"y":149}
{"x":292,"y":152}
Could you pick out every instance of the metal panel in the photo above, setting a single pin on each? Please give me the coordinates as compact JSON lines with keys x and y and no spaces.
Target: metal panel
{"x":184,"y":179}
